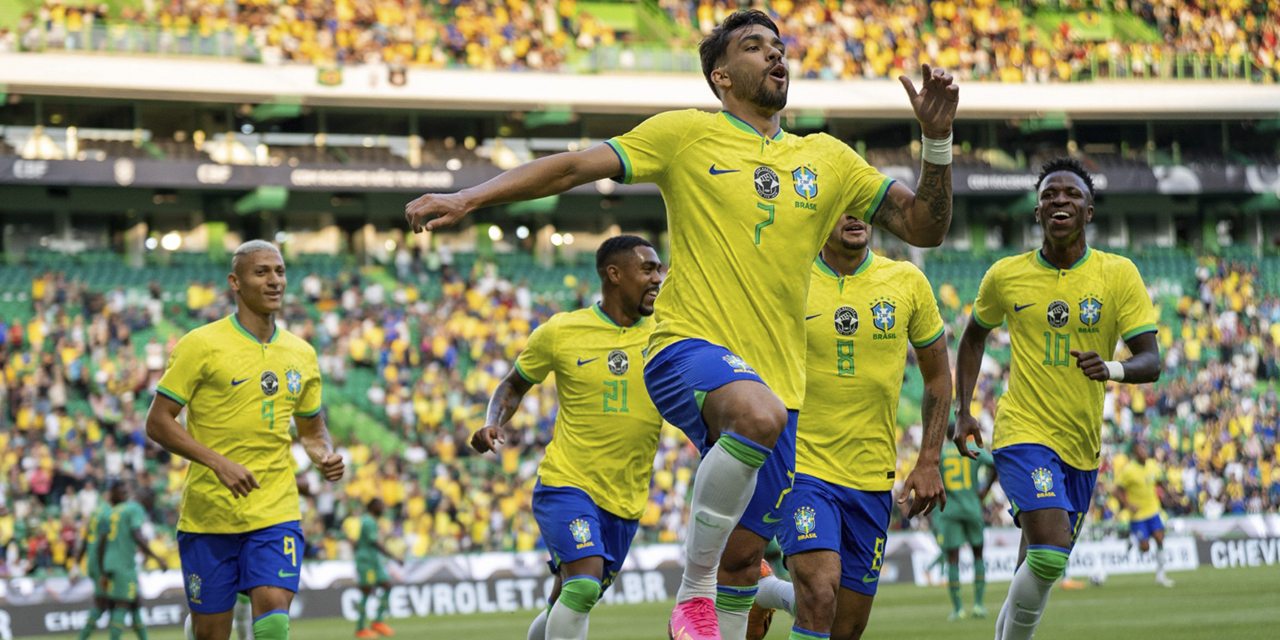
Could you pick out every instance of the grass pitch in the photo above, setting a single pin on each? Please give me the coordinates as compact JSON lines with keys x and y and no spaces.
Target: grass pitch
{"x":1206,"y":604}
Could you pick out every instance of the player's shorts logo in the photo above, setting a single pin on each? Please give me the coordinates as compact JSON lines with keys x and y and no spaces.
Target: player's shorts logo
{"x":193,"y":587}
{"x":767,"y":183}
{"x":293,"y":380}
{"x":806,"y":521}
{"x":1059,"y":313}
{"x":618,"y":363}
{"x":581,"y":530}
{"x":884,"y":315}
{"x":846,"y":321}
{"x":270,"y":383}
{"x":1042,"y":478}
{"x":1090,"y":310}
{"x":739,"y":365}
{"x":805,"y":182}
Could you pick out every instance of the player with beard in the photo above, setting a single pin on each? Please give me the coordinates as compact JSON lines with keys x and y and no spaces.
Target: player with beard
{"x":593,"y":482}
{"x":748,"y":207}
{"x":1063,"y":302}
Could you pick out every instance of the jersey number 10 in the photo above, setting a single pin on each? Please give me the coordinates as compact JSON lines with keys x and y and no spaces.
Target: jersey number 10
{"x":1057,"y":349}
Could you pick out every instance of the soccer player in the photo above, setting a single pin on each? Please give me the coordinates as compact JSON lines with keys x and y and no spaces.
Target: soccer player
{"x":1067,"y":306}
{"x":370,"y":573}
{"x":1136,"y":490}
{"x":962,"y":523}
{"x":863,"y":311}
{"x":94,"y":531}
{"x":593,"y":482}
{"x":117,"y":555}
{"x":748,"y":207}
{"x":242,"y":381}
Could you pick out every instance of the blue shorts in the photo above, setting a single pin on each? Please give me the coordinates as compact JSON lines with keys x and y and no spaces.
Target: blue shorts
{"x":1144,"y":529}
{"x":217,"y":566}
{"x":853,"y":523}
{"x":574,"y":528}
{"x":679,"y":377}
{"x":1034,"y":478}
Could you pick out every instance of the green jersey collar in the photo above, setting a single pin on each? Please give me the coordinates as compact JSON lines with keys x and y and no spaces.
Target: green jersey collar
{"x":609,"y":321}
{"x":1088,"y":251}
{"x":275,"y":332}
{"x":742,"y":124}
{"x":826,"y":269}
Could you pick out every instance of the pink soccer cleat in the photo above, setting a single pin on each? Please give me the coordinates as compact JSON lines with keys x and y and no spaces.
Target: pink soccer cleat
{"x":694,"y":620}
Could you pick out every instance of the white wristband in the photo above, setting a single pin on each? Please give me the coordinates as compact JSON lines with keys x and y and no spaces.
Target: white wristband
{"x":936,"y":151}
{"x":1115,"y":370}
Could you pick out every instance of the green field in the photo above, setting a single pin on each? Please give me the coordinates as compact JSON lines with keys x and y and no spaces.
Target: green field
{"x":1207,"y":604}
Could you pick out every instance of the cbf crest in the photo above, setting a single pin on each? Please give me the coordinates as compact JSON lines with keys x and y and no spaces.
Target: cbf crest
{"x":581,"y":530}
{"x":806,"y":522}
{"x":805,"y":182}
{"x":1090,"y":310}
{"x":884,"y":315}
{"x":739,"y":365}
{"x":618,"y":363}
{"x":193,"y":588}
{"x":1042,"y":478}
{"x":293,"y":380}
{"x":846,"y":321}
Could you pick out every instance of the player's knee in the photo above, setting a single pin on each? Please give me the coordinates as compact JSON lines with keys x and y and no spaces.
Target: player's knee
{"x":740,"y":562}
{"x":581,"y":594}
{"x":1145,"y":545}
{"x":817,"y":603}
{"x":1048,"y":563}
{"x":761,"y":421}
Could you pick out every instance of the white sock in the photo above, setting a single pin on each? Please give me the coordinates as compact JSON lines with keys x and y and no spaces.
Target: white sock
{"x":565,"y":623}
{"x":1004,"y":610}
{"x":1028,"y":594}
{"x":1159,"y":562}
{"x":538,"y":628}
{"x":243,"y":618}
{"x":722,"y":488}
{"x":733,"y":624}
{"x":776,"y":593}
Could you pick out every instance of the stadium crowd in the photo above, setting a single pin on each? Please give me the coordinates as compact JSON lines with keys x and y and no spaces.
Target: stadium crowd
{"x":80,"y":369}
{"x":826,"y":39}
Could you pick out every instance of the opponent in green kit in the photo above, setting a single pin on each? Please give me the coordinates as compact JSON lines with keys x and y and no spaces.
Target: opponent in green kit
{"x":119,"y":564}
{"x":962,"y":522}
{"x":94,"y":531}
{"x":371,"y":574}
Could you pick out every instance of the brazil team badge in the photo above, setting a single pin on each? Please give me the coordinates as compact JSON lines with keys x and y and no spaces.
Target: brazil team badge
{"x":581,"y":530}
{"x":806,"y":522}
{"x":805,"y":182}
{"x":1042,"y":478}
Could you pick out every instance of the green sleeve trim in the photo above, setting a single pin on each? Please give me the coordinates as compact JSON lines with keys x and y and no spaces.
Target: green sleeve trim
{"x":171,"y":395}
{"x":622,"y":155}
{"x":930,"y":340}
{"x":1146,"y":328}
{"x":878,"y":200}
{"x":984,"y":325}
{"x":528,"y":378}
{"x":308,"y":414}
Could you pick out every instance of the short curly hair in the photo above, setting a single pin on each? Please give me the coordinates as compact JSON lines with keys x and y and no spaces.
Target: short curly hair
{"x":713,"y":48}
{"x":1064,"y":163}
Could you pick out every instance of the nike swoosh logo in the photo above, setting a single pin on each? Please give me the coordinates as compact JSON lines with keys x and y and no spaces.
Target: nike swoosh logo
{"x":869,"y":578}
{"x":282,"y":574}
{"x":812,"y":316}
{"x":715,"y":172}
{"x":1017,"y":307}
{"x":235,"y":382}
{"x":582,"y":362}
{"x":771,"y":520}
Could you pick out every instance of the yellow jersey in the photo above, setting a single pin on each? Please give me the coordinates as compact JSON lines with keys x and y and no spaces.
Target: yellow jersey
{"x":606,"y":431}
{"x":1139,"y":484}
{"x":1090,"y":307}
{"x":858,"y":328}
{"x":747,"y":215}
{"x":240,"y":395}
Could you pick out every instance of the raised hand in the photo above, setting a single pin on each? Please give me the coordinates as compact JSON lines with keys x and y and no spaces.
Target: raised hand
{"x":434,"y":210}
{"x":1091,"y":364}
{"x":935,"y":103}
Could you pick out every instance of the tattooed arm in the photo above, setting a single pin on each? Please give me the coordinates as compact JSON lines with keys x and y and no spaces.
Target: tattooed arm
{"x":921,"y":218}
{"x":925,"y":478}
{"x":502,"y":406}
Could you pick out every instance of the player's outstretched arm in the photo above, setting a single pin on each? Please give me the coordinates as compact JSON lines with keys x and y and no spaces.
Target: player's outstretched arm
{"x":925,"y":479}
{"x":502,"y":406}
{"x":973,"y":344}
{"x":163,"y":427}
{"x":538,"y":179}
{"x":1141,"y":367}
{"x":922,"y":217}
{"x":315,"y":439}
